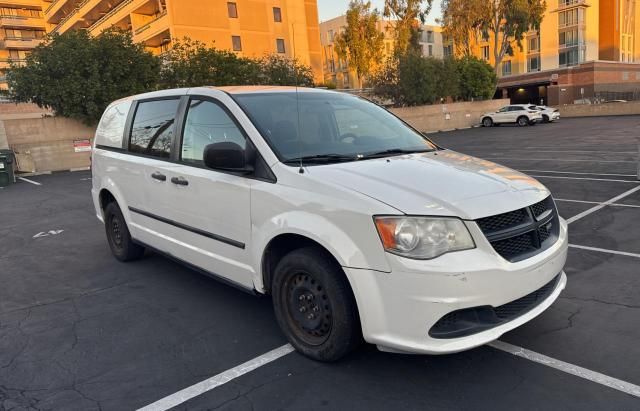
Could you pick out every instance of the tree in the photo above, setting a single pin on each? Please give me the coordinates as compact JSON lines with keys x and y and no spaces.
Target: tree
{"x":477,"y":79}
{"x":461,"y":20}
{"x":281,"y":71}
{"x":193,"y":64}
{"x":78,"y":76}
{"x":361,"y":43}
{"x":405,"y":15}
{"x":507,"y":21}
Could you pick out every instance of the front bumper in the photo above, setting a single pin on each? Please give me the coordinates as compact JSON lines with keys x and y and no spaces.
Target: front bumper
{"x":398,"y":309}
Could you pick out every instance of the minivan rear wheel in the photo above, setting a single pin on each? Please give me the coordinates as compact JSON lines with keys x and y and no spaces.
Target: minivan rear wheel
{"x":314,"y":305}
{"x":118,"y":236}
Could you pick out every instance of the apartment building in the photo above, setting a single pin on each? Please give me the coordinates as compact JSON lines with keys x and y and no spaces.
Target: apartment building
{"x":337,"y":71}
{"x":585,"y":49}
{"x":22,"y":28}
{"x":251,"y":28}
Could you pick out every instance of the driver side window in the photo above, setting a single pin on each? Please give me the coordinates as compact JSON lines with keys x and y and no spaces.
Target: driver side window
{"x":503,"y":110}
{"x":207,"y":123}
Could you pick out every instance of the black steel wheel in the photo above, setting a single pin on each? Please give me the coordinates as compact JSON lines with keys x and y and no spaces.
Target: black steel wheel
{"x":314,"y":305}
{"x":118,"y":236}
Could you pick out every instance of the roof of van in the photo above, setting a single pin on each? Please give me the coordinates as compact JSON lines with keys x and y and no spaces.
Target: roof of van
{"x":265,"y":89}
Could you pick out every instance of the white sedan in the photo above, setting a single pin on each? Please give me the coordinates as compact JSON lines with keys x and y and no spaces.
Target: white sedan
{"x":549,"y":114}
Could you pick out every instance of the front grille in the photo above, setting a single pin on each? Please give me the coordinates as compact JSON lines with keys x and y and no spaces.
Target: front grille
{"x":503,"y":221}
{"x":520,"y":234}
{"x":468,"y":321}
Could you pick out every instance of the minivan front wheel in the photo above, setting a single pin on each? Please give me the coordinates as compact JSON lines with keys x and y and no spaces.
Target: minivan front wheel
{"x":314,"y":305}
{"x":118,"y":236}
{"x":487,"y":122}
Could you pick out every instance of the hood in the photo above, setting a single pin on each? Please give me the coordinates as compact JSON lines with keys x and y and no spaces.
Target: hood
{"x":443,"y":183}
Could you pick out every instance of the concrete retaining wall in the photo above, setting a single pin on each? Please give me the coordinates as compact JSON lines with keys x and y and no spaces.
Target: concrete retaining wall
{"x":441,"y":117}
{"x":607,"y":109}
{"x":47,"y":144}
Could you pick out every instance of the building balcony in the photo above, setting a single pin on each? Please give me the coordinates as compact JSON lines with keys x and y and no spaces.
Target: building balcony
{"x":152,"y":28}
{"x":20,"y":43}
{"x":76,"y":16}
{"x":564,"y":4}
{"x":55,"y":8}
{"x":21,"y":21}
{"x":579,"y":24}
{"x":115,"y":15}
{"x":5,"y":63}
{"x":580,"y":44}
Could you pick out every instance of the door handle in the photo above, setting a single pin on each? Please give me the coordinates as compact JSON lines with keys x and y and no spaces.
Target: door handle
{"x":179,"y":181}
{"x":159,"y":177}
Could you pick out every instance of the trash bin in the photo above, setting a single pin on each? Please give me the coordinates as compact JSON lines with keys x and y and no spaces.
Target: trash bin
{"x":6,"y":168}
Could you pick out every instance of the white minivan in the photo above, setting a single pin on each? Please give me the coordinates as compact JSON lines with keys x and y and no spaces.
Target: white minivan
{"x":356,"y":224}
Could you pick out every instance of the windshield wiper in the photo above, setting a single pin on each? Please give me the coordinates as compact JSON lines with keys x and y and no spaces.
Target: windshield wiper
{"x":322,"y":159}
{"x":393,"y":151}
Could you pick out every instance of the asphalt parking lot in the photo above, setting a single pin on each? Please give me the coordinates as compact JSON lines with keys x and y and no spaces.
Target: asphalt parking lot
{"x":81,"y":331}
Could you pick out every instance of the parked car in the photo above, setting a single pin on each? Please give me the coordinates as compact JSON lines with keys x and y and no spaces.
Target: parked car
{"x":520,"y":114}
{"x":357,"y":225}
{"x":549,"y":114}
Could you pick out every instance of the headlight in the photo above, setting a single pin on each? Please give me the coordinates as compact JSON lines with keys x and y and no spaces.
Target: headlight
{"x":423,"y":238}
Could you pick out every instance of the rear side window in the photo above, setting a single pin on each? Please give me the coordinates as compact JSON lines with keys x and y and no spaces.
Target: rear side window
{"x":110,"y":131}
{"x":153,"y":128}
{"x":207,"y":123}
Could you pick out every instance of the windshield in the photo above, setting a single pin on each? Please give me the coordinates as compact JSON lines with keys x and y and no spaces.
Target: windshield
{"x":332,"y":126}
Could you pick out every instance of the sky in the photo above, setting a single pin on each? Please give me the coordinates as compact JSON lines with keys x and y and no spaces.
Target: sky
{"x":329,"y":9}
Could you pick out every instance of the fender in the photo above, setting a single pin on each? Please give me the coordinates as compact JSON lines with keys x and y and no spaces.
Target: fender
{"x":346,"y":248}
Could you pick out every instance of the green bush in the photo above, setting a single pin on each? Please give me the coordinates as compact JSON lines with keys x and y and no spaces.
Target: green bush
{"x":411,"y":80}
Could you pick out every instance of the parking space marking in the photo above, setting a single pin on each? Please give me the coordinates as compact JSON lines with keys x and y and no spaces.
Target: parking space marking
{"x":528,"y":149}
{"x":575,"y":370}
{"x":602,"y":205}
{"x":29,"y":181}
{"x":202,"y":387}
{"x":579,"y":173}
{"x":595,"y":202}
{"x":588,"y":178}
{"x":561,"y":159}
{"x":604,"y":250}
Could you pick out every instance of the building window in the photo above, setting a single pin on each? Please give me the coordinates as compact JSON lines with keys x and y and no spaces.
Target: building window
{"x":568,"y":58}
{"x":430,"y":36}
{"x":330,"y":36}
{"x":485,"y":53}
{"x":625,"y":75}
{"x":233,"y":10}
{"x":280,"y":46}
{"x":570,"y":17}
{"x":448,"y":51}
{"x":506,"y":68}
{"x":237,"y":43}
{"x":568,"y":38}
{"x":533,"y":64}
{"x":534,"y":45}
{"x":277,"y":15}
{"x":430,"y":50}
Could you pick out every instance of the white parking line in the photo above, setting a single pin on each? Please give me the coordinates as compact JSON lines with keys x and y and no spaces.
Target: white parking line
{"x":596,"y":202}
{"x":217,"y":380}
{"x":528,"y":149}
{"x":602,"y":205}
{"x":29,"y":181}
{"x":587,"y":178}
{"x":560,"y":159}
{"x":604,"y":250}
{"x":579,"y":173}
{"x":593,"y":376}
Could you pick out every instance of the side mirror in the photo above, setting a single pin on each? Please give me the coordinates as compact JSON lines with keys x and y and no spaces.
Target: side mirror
{"x":225,"y":156}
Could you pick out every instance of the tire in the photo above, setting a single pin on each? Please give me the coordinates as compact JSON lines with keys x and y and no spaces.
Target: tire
{"x":487,"y":122}
{"x":522,"y":121}
{"x":545,"y":118}
{"x":118,"y":236}
{"x":323,"y":332}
